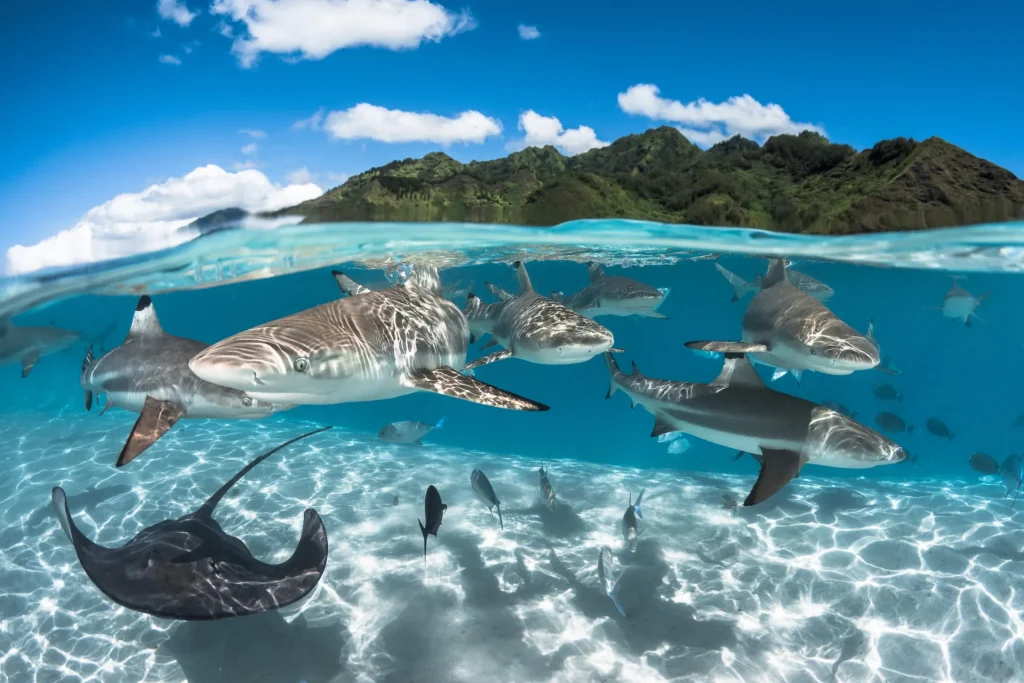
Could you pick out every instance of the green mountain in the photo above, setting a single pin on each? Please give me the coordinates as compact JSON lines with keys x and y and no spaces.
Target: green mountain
{"x":792,"y":183}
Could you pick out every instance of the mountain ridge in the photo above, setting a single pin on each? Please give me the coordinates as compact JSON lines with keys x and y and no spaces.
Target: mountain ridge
{"x":792,"y":183}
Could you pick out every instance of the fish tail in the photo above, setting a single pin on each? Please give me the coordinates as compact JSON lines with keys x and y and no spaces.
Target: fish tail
{"x":86,"y":362}
{"x":613,"y":371}
{"x":424,"y":532}
{"x":639,"y":502}
{"x":614,"y":595}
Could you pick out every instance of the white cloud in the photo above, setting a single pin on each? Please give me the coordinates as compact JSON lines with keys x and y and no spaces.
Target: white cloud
{"x":313,"y":29}
{"x":704,"y":138}
{"x":548,"y":130}
{"x":255,"y":134}
{"x":337,"y":178}
{"x":156,"y":32}
{"x":368,"y":121}
{"x":225,"y":29}
{"x":528,"y":32}
{"x":188,"y":47}
{"x":708,"y":121}
{"x":299,"y":176}
{"x":250,"y":149}
{"x":152,"y":219}
{"x":243,"y":165}
{"x":170,"y":59}
{"x":313,"y":122}
{"x":176,"y":11}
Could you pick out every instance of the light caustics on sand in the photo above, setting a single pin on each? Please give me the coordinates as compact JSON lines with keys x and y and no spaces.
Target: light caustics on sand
{"x":894,"y":580}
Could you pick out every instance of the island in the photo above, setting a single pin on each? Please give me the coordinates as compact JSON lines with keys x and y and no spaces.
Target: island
{"x":792,"y":183}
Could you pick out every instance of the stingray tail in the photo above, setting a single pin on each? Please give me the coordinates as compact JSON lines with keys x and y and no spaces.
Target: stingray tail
{"x":211,"y":503}
{"x":424,"y":532}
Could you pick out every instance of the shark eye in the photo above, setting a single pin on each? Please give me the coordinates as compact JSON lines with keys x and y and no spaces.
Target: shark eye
{"x":301,"y":364}
{"x":247,"y":402}
{"x":814,"y":351}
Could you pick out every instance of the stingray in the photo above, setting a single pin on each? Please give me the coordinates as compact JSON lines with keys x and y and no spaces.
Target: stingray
{"x":191,"y":569}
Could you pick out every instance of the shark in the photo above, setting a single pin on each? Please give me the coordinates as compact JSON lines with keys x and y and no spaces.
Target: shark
{"x":368,"y":346}
{"x":149,"y":374}
{"x":25,"y":345}
{"x":789,"y":329}
{"x":535,"y":328}
{"x":959,"y":304}
{"x":738,"y":411}
{"x":191,"y":569}
{"x":816,"y":288}
{"x":614,"y":295}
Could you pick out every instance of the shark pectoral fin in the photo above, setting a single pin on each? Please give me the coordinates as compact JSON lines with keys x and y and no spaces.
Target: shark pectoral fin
{"x":107,"y":405}
{"x":490,"y":358}
{"x":777,"y":469}
{"x":797,"y":375}
{"x":88,"y":400}
{"x":662,"y":426}
{"x":490,"y":342}
{"x":653,"y":314}
{"x":448,"y":381}
{"x":726,"y":347}
{"x":156,"y":418}
{"x":348,"y":285}
{"x":778,"y":374}
{"x":27,"y":363}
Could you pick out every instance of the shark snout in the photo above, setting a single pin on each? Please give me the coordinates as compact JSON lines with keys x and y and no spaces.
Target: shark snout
{"x":849,"y":355}
{"x":249,"y":366}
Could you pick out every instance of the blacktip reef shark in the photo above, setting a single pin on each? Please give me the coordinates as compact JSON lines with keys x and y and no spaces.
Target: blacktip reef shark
{"x":614,"y":295}
{"x":792,"y":331}
{"x":148,"y":374}
{"x":738,"y":411}
{"x":25,"y":344}
{"x":959,"y":304}
{"x":191,"y":569}
{"x":368,"y":346}
{"x":536,"y":328}
{"x":740,"y":287}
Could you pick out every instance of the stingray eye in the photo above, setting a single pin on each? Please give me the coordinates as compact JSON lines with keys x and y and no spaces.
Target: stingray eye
{"x":301,"y":364}
{"x":247,"y":402}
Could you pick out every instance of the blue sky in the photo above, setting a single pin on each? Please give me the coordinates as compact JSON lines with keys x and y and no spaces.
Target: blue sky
{"x":91,"y":111}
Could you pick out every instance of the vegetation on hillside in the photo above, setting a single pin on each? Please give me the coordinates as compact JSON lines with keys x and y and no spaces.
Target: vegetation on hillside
{"x":792,"y":183}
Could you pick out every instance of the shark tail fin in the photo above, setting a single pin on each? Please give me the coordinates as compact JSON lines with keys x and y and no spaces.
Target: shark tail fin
{"x":424,"y":532}
{"x":740,"y":287}
{"x":639,"y":502}
{"x":614,"y":595}
{"x":525,"y":285}
{"x":86,"y":362}
{"x":613,"y":371}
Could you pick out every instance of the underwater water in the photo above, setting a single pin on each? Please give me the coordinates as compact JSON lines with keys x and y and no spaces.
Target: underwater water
{"x":910,"y":571}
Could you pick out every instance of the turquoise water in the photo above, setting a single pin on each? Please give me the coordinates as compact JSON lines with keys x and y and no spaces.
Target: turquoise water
{"x":906,"y":572}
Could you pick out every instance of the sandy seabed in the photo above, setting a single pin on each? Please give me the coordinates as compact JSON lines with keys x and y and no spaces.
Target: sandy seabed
{"x":834,"y":579}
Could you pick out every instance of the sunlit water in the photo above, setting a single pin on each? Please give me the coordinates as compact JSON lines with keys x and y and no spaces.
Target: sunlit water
{"x":911,"y":572}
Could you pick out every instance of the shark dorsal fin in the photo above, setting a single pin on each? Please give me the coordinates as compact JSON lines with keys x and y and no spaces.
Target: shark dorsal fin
{"x":347,"y":285}
{"x":595,"y":272}
{"x":871,"y":331}
{"x":207,"y":508}
{"x":145,"y":323}
{"x":427,"y":279}
{"x":738,"y":371}
{"x":776,"y":273}
{"x":525,"y":285}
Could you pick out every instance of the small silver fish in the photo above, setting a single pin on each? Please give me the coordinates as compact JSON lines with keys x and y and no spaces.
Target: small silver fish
{"x":547,"y":491}
{"x":608,"y":577}
{"x":407,"y":431}
{"x":630,"y":533}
